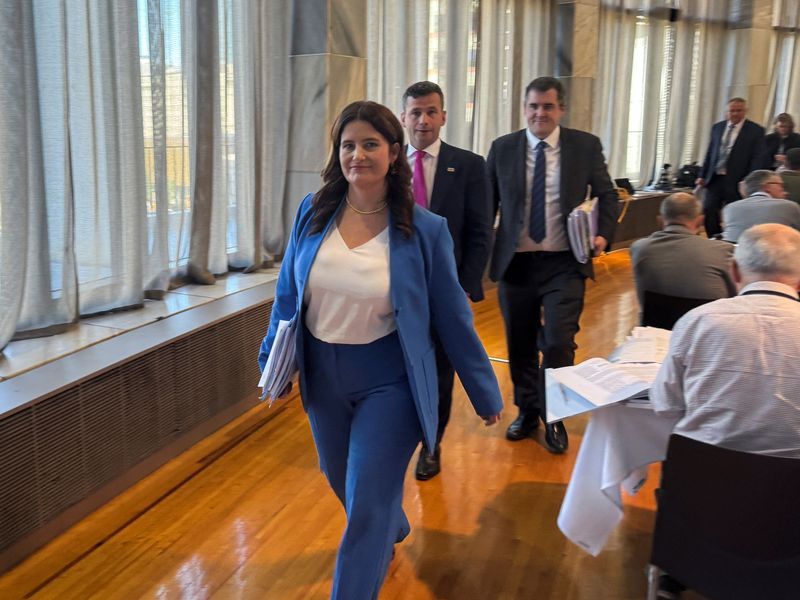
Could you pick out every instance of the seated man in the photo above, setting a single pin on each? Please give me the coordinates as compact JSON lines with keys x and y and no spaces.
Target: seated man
{"x":731,"y":373}
{"x":676,"y":261}
{"x":765,"y":203}
{"x":791,"y":175}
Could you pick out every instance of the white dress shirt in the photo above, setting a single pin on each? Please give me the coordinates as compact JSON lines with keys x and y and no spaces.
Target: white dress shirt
{"x":555,"y":239}
{"x":347,"y":294}
{"x":732,"y":372}
{"x":429,"y":164}
{"x":734,"y":134}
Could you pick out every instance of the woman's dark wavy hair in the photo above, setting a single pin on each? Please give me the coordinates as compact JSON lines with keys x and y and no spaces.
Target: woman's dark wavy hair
{"x":784,"y":118}
{"x":334,"y":185}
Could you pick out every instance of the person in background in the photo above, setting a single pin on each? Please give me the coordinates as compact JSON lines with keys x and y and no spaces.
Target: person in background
{"x":369,"y":276}
{"x":735,"y":149}
{"x":537,"y":176}
{"x":765,"y":203}
{"x":450,"y":182}
{"x":676,"y":261}
{"x":791,"y":175}
{"x":782,"y":139}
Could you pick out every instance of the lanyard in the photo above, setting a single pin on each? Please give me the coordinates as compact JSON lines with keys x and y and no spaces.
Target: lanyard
{"x":770,"y":293}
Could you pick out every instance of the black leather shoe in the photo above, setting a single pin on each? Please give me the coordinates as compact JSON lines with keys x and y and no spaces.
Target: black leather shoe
{"x":521,"y":427}
{"x":428,"y":465}
{"x":556,"y":438}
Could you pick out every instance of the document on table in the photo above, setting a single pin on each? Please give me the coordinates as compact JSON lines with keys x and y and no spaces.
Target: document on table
{"x":645,"y":344}
{"x":602,"y":382}
{"x":281,"y":363}
{"x":596,"y":382}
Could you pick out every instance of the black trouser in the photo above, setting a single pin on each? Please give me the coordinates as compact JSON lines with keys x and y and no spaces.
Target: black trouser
{"x":446,"y":374}
{"x":541,"y":299}
{"x":721,"y":191}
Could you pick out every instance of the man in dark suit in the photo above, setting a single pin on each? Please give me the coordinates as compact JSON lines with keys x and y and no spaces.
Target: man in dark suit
{"x":450,"y":182}
{"x":537,"y":176}
{"x":736,"y":148}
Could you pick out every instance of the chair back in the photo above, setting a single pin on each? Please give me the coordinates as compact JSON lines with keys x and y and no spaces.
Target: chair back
{"x":661,"y":310}
{"x":728,"y":522}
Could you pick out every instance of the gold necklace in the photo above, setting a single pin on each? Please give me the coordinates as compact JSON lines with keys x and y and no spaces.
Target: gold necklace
{"x":364,"y":212}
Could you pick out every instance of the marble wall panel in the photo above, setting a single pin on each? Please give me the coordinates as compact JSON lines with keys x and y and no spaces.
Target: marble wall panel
{"x":580,"y":93}
{"x":759,"y":71}
{"x":762,"y":14}
{"x":310,"y":27}
{"x":741,"y":56}
{"x":309,"y":124}
{"x":757,"y":96}
{"x":565,"y":36}
{"x":348,"y":28}
{"x":585,"y":41}
{"x":348,"y":82}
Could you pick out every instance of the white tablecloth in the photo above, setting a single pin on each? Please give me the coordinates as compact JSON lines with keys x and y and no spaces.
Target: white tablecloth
{"x":620,"y":441}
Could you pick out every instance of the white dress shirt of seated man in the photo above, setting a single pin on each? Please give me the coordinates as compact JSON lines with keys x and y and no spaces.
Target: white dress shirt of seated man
{"x":731,"y":373}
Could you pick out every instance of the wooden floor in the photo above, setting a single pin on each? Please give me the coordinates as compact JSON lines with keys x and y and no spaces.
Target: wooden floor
{"x":247,"y":514}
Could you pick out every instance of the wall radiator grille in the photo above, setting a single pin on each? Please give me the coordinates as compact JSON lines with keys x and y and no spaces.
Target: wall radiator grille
{"x":59,"y":450}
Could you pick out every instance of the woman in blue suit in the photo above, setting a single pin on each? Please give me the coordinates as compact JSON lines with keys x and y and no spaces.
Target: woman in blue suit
{"x":368,"y":274}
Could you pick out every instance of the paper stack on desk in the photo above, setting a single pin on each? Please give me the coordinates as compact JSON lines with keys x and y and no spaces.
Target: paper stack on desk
{"x":281,"y":364}
{"x":598,"y":382}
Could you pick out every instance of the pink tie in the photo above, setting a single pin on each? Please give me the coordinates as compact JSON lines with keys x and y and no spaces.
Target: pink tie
{"x":420,"y":191}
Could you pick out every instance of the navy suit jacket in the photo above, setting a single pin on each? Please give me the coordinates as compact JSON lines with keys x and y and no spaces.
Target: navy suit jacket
{"x":746,"y":155}
{"x":582,"y":167}
{"x":426,"y":296}
{"x":461,"y":195}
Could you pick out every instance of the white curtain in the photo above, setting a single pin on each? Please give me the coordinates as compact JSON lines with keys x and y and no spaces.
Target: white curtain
{"x":136,"y":140}
{"x":482,"y":54}
{"x":784,"y":89}
{"x":662,"y":82}
{"x":71,"y":199}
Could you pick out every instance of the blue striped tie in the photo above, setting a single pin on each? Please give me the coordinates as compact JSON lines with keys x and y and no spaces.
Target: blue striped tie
{"x":537,"y":225}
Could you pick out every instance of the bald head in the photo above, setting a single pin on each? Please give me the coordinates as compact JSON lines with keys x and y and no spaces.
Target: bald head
{"x":681,"y":209}
{"x":768,"y":252}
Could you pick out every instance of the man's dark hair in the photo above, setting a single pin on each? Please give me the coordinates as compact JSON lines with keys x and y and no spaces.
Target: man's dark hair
{"x":420,"y":89}
{"x":545,"y":84}
{"x":793,"y":159}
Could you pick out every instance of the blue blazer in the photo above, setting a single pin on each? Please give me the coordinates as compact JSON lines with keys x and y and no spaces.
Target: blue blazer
{"x":425,"y":294}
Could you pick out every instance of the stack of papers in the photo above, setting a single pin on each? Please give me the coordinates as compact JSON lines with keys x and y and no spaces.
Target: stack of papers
{"x":627,"y":377}
{"x":582,"y":229}
{"x":281,"y":364}
{"x":644,"y":344}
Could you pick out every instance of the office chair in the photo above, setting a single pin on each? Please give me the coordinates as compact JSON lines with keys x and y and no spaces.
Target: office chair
{"x":728,"y":524}
{"x":663,"y":311}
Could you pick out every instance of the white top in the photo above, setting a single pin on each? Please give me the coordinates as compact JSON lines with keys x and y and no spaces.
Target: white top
{"x":347,"y":294}
{"x":555,"y":239}
{"x":429,"y":163}
{"x":732,"y":375}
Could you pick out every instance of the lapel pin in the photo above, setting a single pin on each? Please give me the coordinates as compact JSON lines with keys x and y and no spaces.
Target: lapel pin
{"x":451,"y":169}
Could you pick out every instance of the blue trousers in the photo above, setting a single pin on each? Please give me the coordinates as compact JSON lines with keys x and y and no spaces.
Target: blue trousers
{"x":366,"y":428}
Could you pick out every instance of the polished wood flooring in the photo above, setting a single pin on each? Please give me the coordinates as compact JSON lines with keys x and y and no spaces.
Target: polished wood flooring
{"x":247,"y":514}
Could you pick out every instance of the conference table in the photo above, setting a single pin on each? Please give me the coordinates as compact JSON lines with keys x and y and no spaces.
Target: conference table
{"x":619,"y":443}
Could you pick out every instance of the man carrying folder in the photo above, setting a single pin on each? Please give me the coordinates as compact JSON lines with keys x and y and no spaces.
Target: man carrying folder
{"x":537,"y":176}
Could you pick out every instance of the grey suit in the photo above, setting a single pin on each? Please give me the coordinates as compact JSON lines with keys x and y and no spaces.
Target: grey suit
{"x":675,"y":262}
{"x":755,"y":210}
{"x":553,"y":283}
